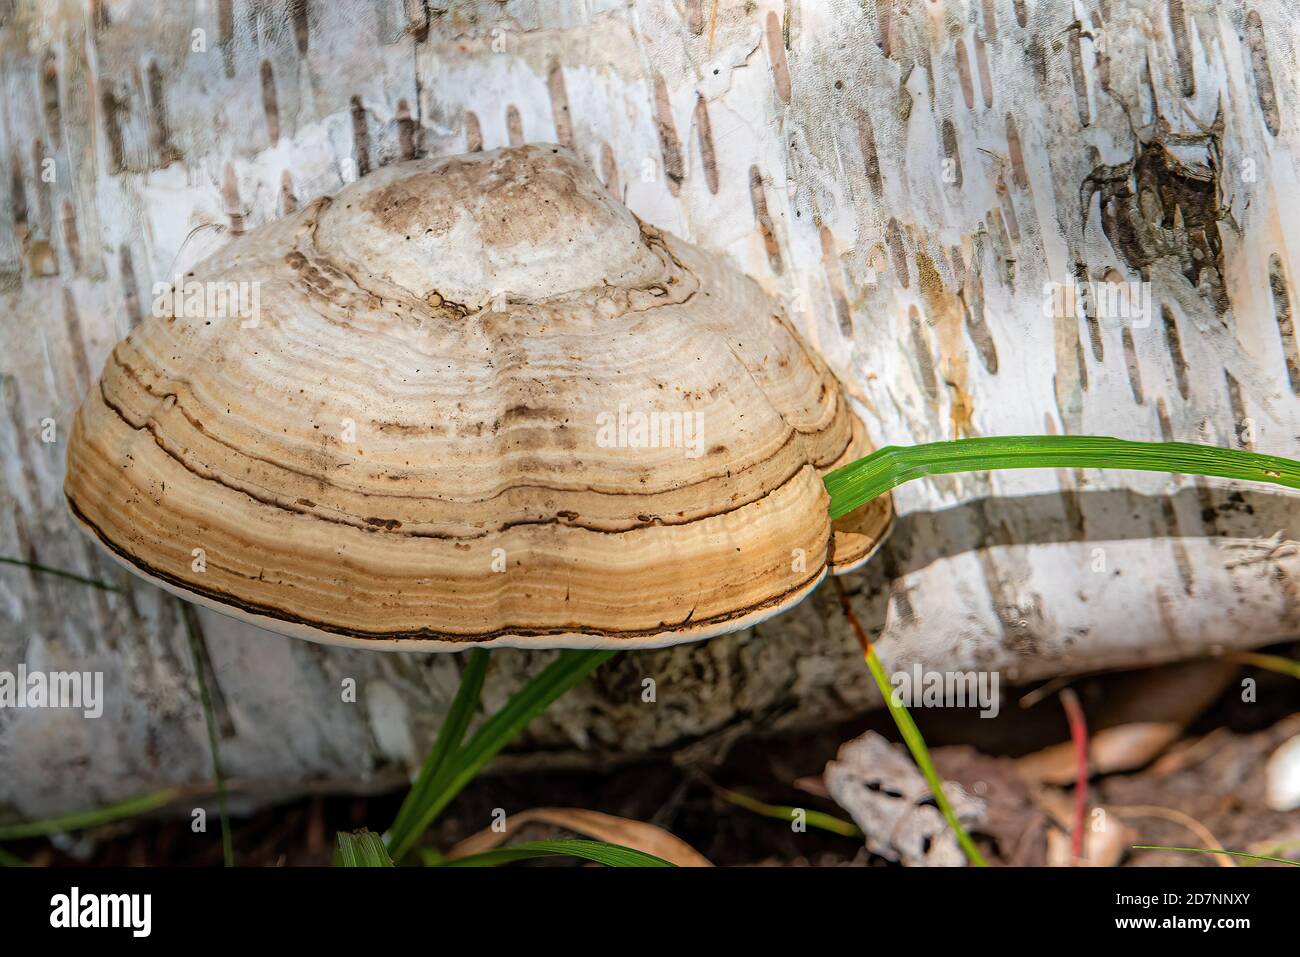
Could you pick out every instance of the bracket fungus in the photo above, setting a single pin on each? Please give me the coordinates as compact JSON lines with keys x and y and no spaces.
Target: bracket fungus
{"x":479,"y":403}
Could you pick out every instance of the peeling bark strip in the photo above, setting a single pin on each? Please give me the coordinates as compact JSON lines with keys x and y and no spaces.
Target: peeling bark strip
{"x":1264,"y":90}
{"x":695,"y":16}
{"x":231,"y":200}
{"x":71,"y":239}
{"x":870,"y":159}
{"x":76,"y":337}
{"x":130,"y":291}
{"x":609,"y":171}
{"x":270,"y":105}
{"x":559,"y":105}
{"x":405,"y":130}
{"x":835,"y":277}
{"x":1241,"y":431}
{"x":972,"y":299}
{"x":226,"y":35}
{"x":1282,"y":312}
{"x":988,"y":9}
{"x":1090,"y":313}
{"x":884,"y":36}
{"x":894,"y":239}
{"x":1131,"y":363}
{"x":112,"y":107}
{"x":1009,"y":213}
{"x":764,"y":219}
{"x":514,"y":126}
{"x":776,"y":54}
{"x":1174,"y":342}
{"x":1182,"y":46}
{"x":473,"y":132}
{"x":360,"y":137}
{"x":963,"y":72}
{"x":50,"y":98}
{"x":923,"y":354}
{"x":22,"y":430}
{"x":44,"y":202}
{"x":1016,"y":155}
{"x":951,"y":151}
{"x":301,"y":25}
{"x":669,"y":145}
{"x":982,"y":64}
{"x":159,"y":131}
{"x":705,"y":133}
{"x":1079,"y":76}
{"x":288,"y":198}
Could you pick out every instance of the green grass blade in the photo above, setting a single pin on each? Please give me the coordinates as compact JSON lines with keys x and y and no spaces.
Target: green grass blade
{"x":859,"y":482}
{"x":445,"y":745}
{"x":1211,"y":850}
{"x":192,"y":631}
{"x":58,"y":573}
{"x":611,"y":855}
{"x":567,"y":670}
{"x":780,"y":812}
{"x":1285,"y":666}
{"x":94,"y":818}
{"x":11,"y":860}
{"x":361,"y":848}
{"x":921,"y":755}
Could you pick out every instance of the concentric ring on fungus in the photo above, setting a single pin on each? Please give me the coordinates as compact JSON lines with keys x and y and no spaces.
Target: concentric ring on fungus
{"x":478,"y":403}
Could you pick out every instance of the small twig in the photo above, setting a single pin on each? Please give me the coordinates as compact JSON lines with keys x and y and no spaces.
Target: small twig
{"x":1078,"y":734}
{"x":1043,"y":691}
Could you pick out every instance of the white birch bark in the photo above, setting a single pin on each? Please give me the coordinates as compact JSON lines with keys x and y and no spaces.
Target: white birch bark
{"x":908,"y":176}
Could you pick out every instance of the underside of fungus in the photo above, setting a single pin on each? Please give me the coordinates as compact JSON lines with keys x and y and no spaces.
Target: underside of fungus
{"x":477,"y":402}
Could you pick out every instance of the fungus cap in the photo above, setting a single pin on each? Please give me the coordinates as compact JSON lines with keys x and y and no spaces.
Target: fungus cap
{"x":476,"y":402}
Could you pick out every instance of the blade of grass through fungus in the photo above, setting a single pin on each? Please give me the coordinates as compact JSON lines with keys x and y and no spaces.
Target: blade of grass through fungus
{"x":450,"y":767}
{"x":611,"y":855}
{"x":361,"y":848}
{"x":857,"y":483}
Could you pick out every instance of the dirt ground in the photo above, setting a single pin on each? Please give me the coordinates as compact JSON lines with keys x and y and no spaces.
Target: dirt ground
{"x":1206,"y":784}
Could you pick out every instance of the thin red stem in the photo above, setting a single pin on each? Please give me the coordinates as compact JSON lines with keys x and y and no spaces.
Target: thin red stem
{"x":1079,"y":735}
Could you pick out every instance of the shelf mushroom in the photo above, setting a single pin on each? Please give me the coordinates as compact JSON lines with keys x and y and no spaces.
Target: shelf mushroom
{"x":471,"y":401}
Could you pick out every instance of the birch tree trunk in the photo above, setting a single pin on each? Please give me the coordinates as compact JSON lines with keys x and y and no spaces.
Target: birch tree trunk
{"x":920,"y":181}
